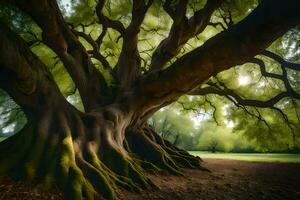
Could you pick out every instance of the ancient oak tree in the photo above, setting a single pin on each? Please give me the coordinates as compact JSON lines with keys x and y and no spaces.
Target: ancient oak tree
{"x":108,"y":144}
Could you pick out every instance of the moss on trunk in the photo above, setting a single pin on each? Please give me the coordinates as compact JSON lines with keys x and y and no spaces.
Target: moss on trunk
{"x":89,"y":155}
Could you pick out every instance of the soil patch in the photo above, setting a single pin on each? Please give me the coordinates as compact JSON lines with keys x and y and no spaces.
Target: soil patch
{"x":228,"y":180}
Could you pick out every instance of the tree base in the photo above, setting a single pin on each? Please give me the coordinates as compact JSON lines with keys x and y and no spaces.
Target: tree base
{"x":86,"y":166}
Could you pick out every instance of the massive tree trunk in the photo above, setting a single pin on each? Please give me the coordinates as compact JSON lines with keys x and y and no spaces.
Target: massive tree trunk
{"x":85,"y":153}
{"x":92,"y":153}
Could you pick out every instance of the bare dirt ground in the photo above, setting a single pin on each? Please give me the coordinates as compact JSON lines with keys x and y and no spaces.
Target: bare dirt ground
{"x":228,"y":180}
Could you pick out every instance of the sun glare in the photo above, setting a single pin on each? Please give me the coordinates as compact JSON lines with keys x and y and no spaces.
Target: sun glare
{"x":197,"y":119}
{"x":66,"y":4}
{"x":244,"y":80}
{"x":229,"y":124}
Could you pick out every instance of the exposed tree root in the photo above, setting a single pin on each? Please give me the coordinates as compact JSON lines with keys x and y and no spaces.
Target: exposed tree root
{"x":86,"y":163}
{"x":160,"y":153}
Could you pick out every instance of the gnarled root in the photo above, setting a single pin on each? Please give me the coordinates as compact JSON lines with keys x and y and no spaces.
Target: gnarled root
{"x":86,"y":159}
{"x":82,"y":166}
{"x":151,"y":148}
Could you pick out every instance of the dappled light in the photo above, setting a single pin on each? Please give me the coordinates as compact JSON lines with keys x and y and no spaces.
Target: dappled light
{"x":244,"y":80}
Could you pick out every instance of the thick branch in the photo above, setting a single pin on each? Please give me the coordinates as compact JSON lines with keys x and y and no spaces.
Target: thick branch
{"x":182,"y":30}
{"x":271,"y":103}
{"x":24,"y":77}
{"x":106,"y":21}
{"x":64,"y":43}
{"x":178,"y":13}
{"x":224,"y":91}
{"x":128,"y":67}
{"x":235,"y":46}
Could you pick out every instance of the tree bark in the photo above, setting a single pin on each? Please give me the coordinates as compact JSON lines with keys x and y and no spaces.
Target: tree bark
{"x":58,"y":36}
{"x":234,"y":46}
{"x":181,"y":31}
{"x":86,"y":154}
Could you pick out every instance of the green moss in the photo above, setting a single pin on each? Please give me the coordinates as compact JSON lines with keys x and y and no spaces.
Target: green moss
{"x":85,"y":176}
{"x":100,"y":181}
{"x":73,"y":189}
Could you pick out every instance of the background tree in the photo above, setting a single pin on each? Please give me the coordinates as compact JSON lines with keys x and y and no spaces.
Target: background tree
{"x":106,"y":142}
{"x":173,"y":126}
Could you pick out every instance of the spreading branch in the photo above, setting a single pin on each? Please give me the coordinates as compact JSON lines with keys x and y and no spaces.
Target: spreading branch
{"x":128,"y":68}
{"x":214,"y":88}
{"x":95,"y":52}
{"x":59,"y":37}
{"x":182,"y":30}
{"x":106,"y":21}
{"x":281,"y":61}
{"x":22,"y":75}
{"x":234,"y":46}
{"x":221,"y":89}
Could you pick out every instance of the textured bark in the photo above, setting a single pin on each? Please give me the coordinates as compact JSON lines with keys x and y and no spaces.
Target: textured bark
{"x":57,"y":35}
{"x":128,"y":68}
{"x":86,"y":154}
{"x":181,"y":31}
{"x":235,"y":46}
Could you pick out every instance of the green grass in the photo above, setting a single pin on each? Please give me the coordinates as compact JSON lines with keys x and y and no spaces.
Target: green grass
{"x":256,"y":157}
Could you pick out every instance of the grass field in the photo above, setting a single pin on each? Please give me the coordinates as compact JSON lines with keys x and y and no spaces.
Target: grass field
{"x":256,"y":157}
{"x":253,"y":157}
